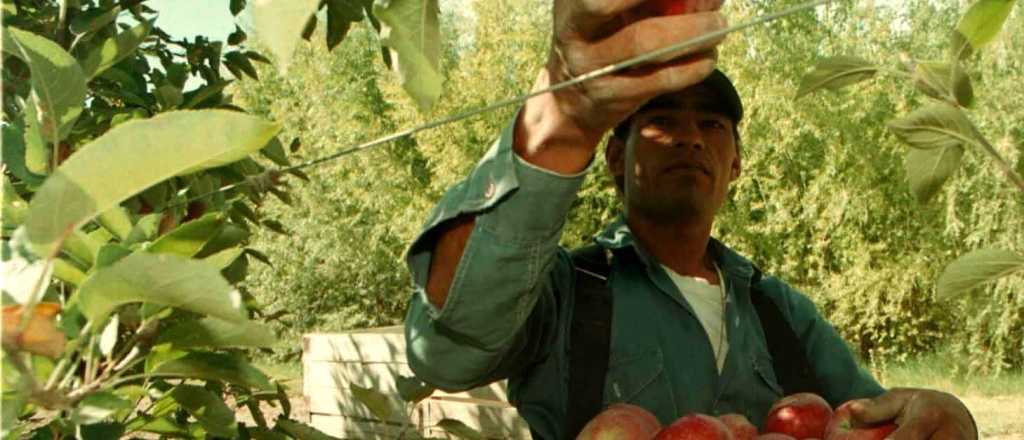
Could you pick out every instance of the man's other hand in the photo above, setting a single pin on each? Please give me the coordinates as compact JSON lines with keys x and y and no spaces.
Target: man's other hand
{"x":921,"y":414}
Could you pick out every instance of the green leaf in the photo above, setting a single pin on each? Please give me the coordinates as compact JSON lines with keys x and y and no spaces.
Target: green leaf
{"x":208,"y":408}
{"x":977,"y":268}
{"x":237,"y":37}
{"x":67,"y":272}
{"x":412,"y":389}
{"x":279,"y":25}
{"x":983,"y":21}
{"x":96,"y":407}
{"x":168,"y":96}
{"x":58,"y":83}
{"x":144,"y":230}
{"x":163,"y":279}
{"x":236,"y":6}
{"x":217,"y":366}
{"x":189,"y":238}
{"x":114,"y":49}
{"x":163,"y":425}
{"x":218,"y":333}
{"x":197,"y":97}
{"x":410,"y":28}
{"x":240,"y":61}
{"x":230,"y":236}
{"x":944,"y":81}
{"x":340,"y":15}
{"x":117,"y":221}
{"x":937,"y":125}
{"x":928,"y":169}
{"x":275,"y":152}
{"x":111,"y":253}
{"x":82,"y":247}
{"x":15,"y":154}
{"x":835,"y":73}
{"x":962,"y":89}
{"x":300,"y":431}
{"x":93,"y":19}
{"x":221,"y":260}
{"x":37,"y":152}
{"x":934,"y":79}
{"x":460,"y":430}
{"x":377,"y":402}
{"x":86,"y":184}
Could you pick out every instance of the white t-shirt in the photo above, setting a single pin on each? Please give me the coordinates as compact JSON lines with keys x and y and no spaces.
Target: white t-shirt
{"x":706,"y":300}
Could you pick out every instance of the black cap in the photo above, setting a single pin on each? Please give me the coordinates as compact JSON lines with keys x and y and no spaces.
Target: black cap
{"x":730,"y":100}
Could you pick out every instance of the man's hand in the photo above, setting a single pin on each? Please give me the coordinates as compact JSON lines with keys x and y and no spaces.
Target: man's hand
{"x":921,"y":414}
{"x":590,"y":34}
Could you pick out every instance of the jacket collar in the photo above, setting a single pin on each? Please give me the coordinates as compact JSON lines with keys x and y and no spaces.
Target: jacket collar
{"x":618,"y":237}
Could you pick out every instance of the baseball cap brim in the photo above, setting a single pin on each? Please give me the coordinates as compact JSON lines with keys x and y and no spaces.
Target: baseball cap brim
{"x":717,"y":81}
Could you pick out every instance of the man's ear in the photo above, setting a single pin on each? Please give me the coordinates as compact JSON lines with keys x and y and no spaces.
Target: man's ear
{"x":736,"y":169}
{"x":615,"y":156}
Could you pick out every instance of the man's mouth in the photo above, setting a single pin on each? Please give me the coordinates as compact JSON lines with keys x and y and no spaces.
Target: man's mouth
{"x":688,"y":167}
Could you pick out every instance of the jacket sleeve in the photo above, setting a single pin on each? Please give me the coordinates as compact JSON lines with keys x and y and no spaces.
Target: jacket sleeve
{"x":501,"y":311}
{"x":834,"y":365}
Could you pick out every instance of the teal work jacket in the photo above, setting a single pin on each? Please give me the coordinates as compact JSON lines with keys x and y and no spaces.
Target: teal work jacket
{"x":508,"y":312}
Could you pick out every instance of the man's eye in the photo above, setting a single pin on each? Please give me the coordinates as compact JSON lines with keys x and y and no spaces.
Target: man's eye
{"x":661,"y":121}
{"x":712,"y":124}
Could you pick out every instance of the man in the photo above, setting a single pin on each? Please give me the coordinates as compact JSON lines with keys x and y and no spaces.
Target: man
{"x":494,"y":293}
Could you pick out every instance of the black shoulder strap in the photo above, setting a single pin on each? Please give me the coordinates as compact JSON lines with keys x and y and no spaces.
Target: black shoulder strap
{"x":792,"y":368}
{"x":589,"y":337}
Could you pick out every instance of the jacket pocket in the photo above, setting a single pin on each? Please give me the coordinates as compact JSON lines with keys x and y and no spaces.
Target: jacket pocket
{"x":638,"y":378}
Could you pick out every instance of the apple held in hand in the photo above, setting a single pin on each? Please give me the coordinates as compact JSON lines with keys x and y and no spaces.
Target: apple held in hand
{"x":695,"y":427}
{"x":739,"y":426}
{"x":801,"y":415}
{"x":621,"y":421}
{"x":842,"y":428}
{"x":669,"y":7}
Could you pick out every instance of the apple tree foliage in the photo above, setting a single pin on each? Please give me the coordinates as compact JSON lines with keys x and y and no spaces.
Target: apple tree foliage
{"x":940,"y":131}
{"x":132,"y":185}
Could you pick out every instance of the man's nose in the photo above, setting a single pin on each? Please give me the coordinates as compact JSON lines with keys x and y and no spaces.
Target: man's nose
{"x":687,"y":133}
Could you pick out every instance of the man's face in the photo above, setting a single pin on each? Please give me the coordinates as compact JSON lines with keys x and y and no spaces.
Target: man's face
{"x":680,"y":157}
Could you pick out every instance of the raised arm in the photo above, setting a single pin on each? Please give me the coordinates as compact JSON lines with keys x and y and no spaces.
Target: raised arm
{"x":487,"y":266}
{"x":560,"y":131}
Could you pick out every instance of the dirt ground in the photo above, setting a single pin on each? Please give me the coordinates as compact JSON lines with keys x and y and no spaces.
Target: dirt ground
{"x":998,"y":417}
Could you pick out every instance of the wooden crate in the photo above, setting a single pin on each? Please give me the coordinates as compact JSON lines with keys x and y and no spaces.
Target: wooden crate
{"x":332,"y":362}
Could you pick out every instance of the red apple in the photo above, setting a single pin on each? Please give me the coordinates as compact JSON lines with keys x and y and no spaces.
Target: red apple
{"x":774,"y":436}
{"x":801,"y":415}
{"x":695,"y":427}
{"x":621,"y":421}
{"x":739,"y":426}
{"x":842,"y":427}
{"x":668,"y":7}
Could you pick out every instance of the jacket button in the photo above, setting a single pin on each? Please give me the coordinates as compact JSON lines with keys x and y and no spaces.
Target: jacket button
{"x":489,"y":192}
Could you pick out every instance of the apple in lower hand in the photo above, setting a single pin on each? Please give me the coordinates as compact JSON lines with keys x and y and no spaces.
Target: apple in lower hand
{"x":801,"y":415}
{"x":774,"y":436}
{"x":842,"y":427}
{"x":621,"y":421}
{"x":739,"y":426}
{"x":695,"y":427}
{"x":668,"y":7}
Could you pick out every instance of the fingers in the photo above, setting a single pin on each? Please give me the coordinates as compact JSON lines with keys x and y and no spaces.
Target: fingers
{"x":883,"y":408}
{"x":653,"y":80}
{"x":655,"y":33}
{"x":915,"y":430}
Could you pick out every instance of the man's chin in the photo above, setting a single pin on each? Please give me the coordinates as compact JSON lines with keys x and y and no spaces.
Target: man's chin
{"x":671,"y":210}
